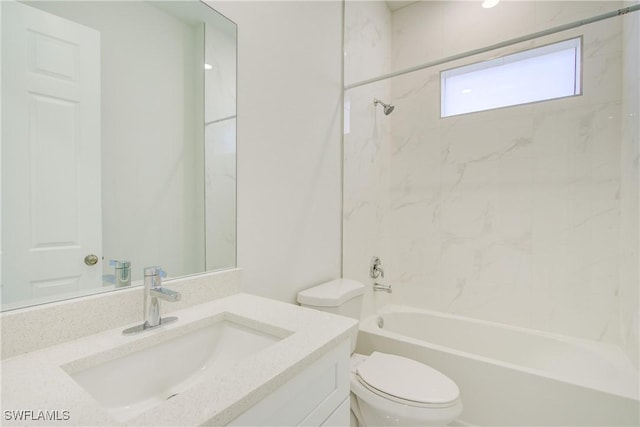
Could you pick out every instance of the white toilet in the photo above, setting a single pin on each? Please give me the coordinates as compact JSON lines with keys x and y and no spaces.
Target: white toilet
{"x":386,"y":390}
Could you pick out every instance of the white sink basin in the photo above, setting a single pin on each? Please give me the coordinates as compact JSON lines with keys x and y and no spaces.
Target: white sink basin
{"x":143,"y":378}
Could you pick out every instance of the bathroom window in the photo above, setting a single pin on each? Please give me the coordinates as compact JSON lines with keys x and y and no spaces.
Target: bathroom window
{"x":544,"y":73}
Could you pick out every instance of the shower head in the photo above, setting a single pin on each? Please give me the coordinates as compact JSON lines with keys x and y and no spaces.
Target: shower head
{"x":387,"y":108}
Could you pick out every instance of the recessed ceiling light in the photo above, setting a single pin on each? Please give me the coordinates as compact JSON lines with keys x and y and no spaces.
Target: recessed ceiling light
{"x":489,"y":3}
{"x":207,"y":66}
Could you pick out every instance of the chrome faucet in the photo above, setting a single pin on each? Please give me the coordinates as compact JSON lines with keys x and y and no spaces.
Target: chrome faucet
{"x":375,"y":268}
{"x":378,"y":287}
{"x":122,"y":272}
{"x":153,"y":291}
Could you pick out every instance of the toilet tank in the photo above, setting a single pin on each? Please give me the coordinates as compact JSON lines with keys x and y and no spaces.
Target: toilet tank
{"x":339,"y":296}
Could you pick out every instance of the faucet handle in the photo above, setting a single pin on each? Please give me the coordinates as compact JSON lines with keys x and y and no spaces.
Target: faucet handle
{"x":155,"y":271}
{"x":375,"y":268}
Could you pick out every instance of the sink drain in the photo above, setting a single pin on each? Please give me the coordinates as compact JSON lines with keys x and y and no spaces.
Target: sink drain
{"x":173,"y":395}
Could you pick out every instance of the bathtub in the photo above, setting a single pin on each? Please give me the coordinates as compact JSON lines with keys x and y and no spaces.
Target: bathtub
{"x":509,"y":375}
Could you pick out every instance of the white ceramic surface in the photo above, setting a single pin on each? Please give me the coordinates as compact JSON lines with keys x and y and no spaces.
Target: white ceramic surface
{"x":136,"y":382}
{"x":513,"y":376}
{"x":588,"y":363}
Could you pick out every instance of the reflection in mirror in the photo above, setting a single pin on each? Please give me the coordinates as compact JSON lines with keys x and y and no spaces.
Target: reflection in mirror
{"x":118,"y":144}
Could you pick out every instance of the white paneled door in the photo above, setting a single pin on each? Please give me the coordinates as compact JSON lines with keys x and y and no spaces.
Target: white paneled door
{"x":51,"y":187}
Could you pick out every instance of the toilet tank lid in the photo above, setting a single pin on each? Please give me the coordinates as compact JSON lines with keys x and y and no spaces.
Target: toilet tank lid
{"x":331,"y":294}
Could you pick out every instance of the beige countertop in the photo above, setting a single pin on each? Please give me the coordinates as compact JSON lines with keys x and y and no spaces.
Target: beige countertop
{"x":37,"y":381}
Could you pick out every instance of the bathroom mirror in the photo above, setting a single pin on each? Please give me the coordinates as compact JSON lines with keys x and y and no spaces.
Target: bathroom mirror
{"x":118,"y":143}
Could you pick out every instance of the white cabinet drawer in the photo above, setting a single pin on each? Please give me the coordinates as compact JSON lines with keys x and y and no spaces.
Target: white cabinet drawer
{"x":309,"y":398}
{"x":341,"y":417}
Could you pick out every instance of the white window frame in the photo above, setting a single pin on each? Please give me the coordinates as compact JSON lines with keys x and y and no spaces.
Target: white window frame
{"x":574,"y":44}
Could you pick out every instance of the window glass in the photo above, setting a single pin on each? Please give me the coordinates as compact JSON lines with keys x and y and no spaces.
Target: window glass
{"x":539,"y":74}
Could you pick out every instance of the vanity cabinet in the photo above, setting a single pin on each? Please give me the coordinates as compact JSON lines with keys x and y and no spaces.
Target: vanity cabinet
{"x":317,"y":396}
{"x":301,"y":377}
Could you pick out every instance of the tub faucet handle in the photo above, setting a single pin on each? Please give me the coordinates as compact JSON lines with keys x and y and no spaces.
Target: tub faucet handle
{"x":375,"y":268}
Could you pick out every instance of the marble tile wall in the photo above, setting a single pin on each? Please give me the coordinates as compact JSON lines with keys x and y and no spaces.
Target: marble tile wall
{"x":629,"y":203}
{"x":366,"y":140}
{"x":511,"y":215}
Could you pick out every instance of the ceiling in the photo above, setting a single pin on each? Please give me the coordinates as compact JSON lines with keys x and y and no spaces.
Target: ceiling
{"x":398,"y":4}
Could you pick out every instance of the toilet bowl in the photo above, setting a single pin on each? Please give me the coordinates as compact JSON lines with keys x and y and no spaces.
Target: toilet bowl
{"x":391,"y":390}
{"x":386,"y":389}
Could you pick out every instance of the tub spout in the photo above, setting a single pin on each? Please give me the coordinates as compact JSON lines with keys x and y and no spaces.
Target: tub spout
{"x":378,"y":287}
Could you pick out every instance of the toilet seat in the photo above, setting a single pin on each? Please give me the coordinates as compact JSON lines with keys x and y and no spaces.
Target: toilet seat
{"x":406,"y":381}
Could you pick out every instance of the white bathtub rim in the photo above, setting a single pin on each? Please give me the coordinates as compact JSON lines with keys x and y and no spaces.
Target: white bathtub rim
{"x":394,"y":308}
{"x":628,"y":390}
{"x":612,"y":352}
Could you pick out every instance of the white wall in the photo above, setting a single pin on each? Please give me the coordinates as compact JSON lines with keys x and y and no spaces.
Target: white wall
{"x":220,"y":144}
{"x":152,"y":139}
{"x":289,"y":157}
